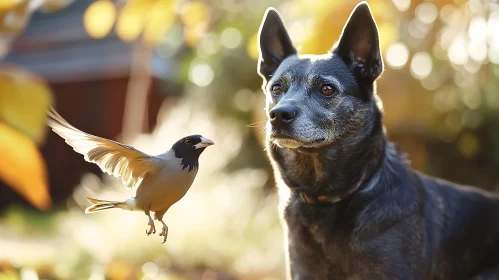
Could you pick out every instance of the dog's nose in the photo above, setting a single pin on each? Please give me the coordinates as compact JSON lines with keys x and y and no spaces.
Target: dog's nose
{"x":282,"y":114}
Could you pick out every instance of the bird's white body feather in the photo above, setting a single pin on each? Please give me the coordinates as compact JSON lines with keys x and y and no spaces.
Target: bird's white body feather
{"x":168,"y":185}
{"x":160,"y":180}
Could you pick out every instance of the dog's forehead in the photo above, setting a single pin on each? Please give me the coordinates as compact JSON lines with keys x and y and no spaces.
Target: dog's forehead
{"x":310,"y":65}
{"x":308,"y":69}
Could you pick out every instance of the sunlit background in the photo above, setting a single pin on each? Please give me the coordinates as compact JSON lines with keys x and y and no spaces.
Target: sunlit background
{"x":147,"y":72}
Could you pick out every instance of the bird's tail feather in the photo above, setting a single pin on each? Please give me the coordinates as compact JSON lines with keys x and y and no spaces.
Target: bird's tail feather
{"x":99,"y":205}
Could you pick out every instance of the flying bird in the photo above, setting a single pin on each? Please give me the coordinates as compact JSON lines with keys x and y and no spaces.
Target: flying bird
{"x":161,"y":180}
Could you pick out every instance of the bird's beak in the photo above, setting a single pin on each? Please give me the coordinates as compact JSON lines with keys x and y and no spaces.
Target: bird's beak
{"x":205,"y":142}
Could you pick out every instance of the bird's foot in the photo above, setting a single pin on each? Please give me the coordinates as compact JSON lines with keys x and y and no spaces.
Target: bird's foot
{"x":164,"y":232}
{"x":152,"y":228}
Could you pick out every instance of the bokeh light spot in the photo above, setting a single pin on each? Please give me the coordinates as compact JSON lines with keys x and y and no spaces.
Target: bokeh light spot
{"x":477,"y":50}
{"x":195,"y":13}
{"x":426,"y":12}
{"x":421,"y":65}
{"x":201,"y":74}
{"x":417,"y":29}
{"x":29,"y":274}
{"x":150,"y":270}
{"x":402,"y":5}
{"x":209,"y":45}
{"x":230,"y":38}
{"x":493,"y":23}
{"x":458,"y":53}
{"x":475,"y":6}
{"x":478,"y":29}
{"x":468,"y":145}
{"x":397,"y":55}
{"x":471,"y":99}
{"x":493,"y":55}
{"x":297,"y":32}
{"x":99,"y":18}
{"x":128,"y":26}
{"x":447,"y":12}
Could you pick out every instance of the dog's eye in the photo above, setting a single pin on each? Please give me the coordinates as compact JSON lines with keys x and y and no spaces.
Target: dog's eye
{"x":187,"y":141}
{"x":328,"y":90}
{"x":276,"y":89}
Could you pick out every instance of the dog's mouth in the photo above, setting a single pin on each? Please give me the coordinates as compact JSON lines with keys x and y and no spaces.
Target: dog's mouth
{"x":287,"y":141}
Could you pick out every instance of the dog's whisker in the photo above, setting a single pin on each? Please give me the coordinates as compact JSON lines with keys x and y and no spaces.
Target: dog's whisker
{"x":257,"y":124}
{"x":263,"y":130}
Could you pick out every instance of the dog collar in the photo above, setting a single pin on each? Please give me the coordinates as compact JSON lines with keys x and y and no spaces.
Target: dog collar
{"x":322,"y":199}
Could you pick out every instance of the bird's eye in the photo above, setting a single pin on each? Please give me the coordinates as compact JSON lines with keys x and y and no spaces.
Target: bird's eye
{"x":188,"y":142}
{"x":276,"y":89}
{"x":328,"y":90}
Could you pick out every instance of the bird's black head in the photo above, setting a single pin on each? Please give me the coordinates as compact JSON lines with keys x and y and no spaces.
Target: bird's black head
{"x":189,"y":149}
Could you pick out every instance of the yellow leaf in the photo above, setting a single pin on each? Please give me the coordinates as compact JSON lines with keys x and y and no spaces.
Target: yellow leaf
{"x":9,"y":4}
{"x":22,"y":167}
{"x":24,"y":100}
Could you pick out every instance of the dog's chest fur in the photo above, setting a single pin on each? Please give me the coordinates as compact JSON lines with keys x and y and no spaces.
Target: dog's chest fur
{"x":326,"y":245}
{"x":399,"y":225}
{"x":355,"y":238}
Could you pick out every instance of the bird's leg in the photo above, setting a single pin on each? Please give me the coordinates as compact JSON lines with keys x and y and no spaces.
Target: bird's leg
{"x":152,"y":228}
{"x":159,"y":216}
{"x":164,"y":232}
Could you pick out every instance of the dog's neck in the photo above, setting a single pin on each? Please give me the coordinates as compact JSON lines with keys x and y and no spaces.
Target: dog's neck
{"x":332,"y":171}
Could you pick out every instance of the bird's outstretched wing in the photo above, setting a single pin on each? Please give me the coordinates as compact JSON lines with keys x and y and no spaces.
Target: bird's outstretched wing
{"x":114,"y":158}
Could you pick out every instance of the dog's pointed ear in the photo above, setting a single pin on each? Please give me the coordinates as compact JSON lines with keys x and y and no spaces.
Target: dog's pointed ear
{"x":359,"y":44}
{"x":274,"y":44}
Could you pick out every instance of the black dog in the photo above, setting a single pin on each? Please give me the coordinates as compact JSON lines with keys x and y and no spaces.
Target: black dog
{"x":356,"y":209}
